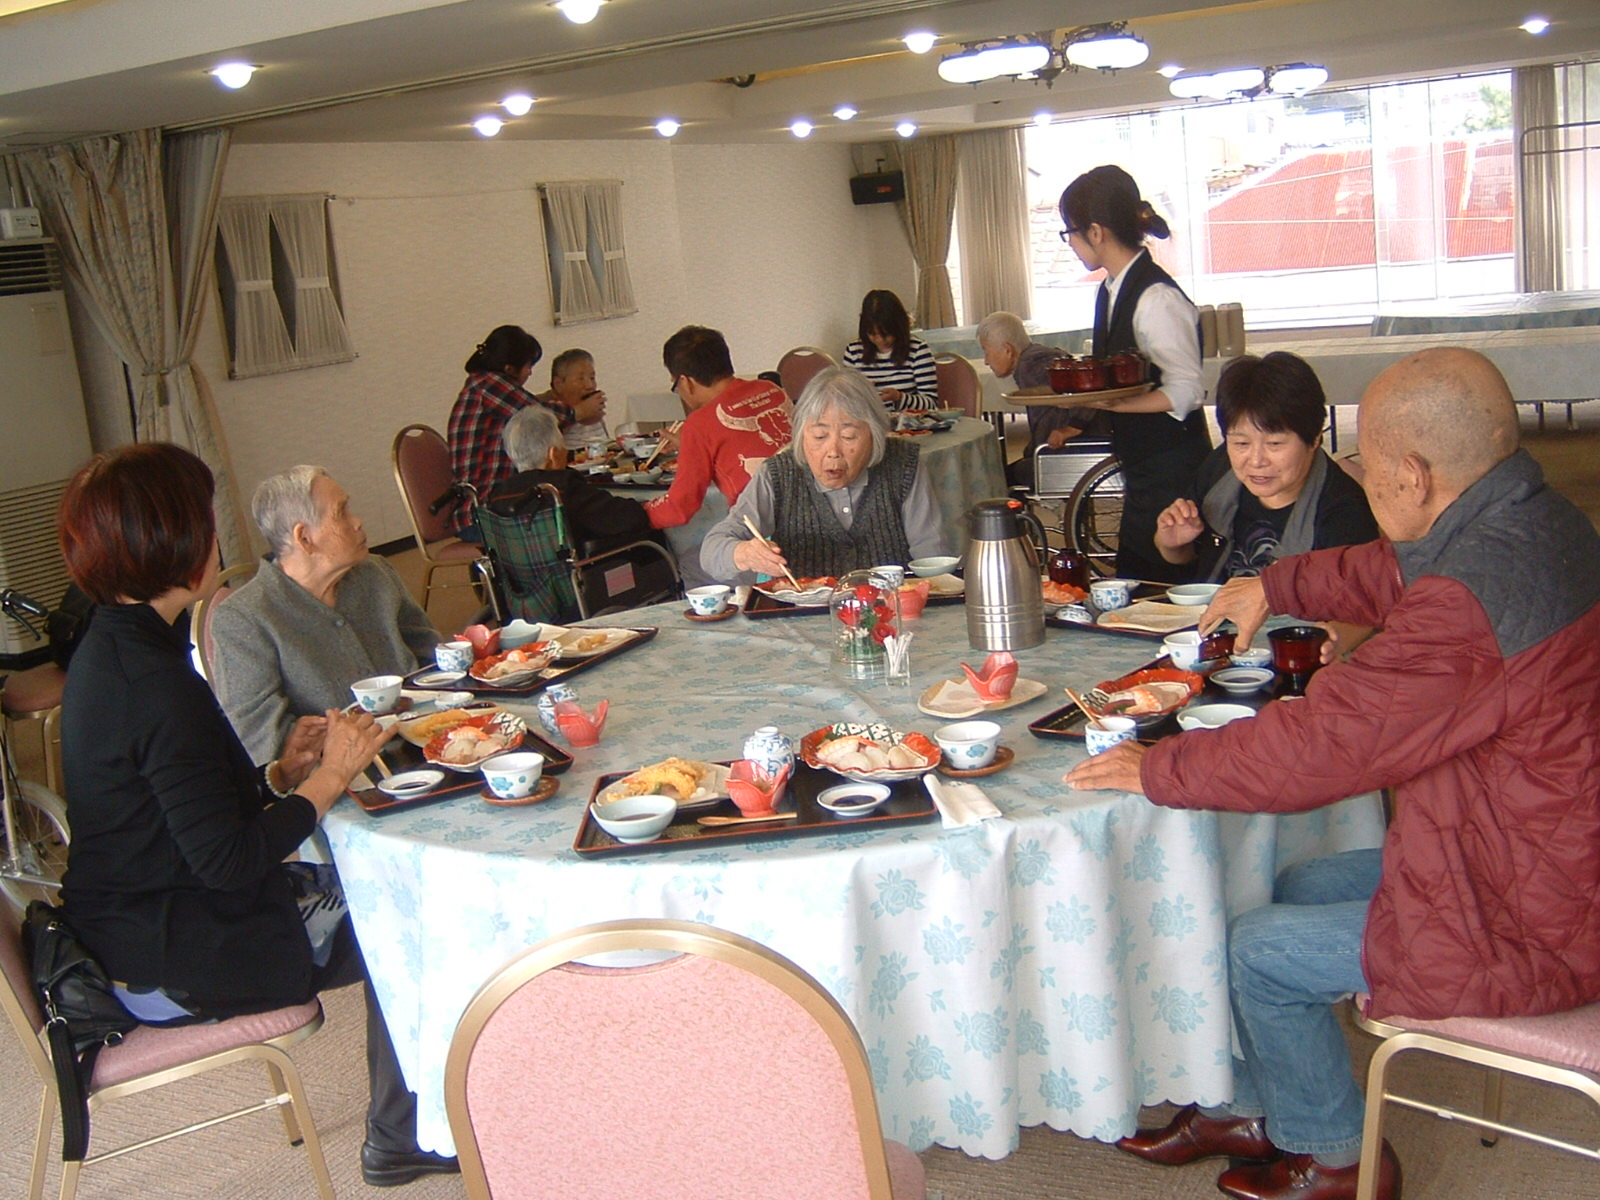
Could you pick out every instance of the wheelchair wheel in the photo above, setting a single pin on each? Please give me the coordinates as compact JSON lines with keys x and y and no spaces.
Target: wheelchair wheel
{"x":1094,"y":514}
{"x":40,"y":821}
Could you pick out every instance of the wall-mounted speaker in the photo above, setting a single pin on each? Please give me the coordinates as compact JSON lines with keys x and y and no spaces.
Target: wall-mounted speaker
{"x":883,"y":188}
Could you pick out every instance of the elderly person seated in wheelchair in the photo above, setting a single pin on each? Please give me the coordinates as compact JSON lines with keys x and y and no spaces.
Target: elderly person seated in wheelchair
{"x":842,"y":495}
{"x":319,"y":614}
{"x":596,"y":520}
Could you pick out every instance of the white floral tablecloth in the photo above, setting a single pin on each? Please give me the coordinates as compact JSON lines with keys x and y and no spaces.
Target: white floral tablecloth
{"x":1061,"y":965}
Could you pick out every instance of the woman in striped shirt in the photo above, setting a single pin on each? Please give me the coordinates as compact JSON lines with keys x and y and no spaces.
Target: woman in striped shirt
{"x":899,"y":365}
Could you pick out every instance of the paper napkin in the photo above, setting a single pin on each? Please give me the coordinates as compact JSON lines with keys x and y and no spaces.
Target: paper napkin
{"x":959,"y":803}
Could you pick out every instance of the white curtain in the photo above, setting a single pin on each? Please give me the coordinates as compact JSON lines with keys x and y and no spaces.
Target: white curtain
{"x":616,"y":284}
{"x":577,"y":291}
{"x":1540,"y":260}
{"x":992,"y":211}
{"x":930,"y":176}
{"x":320,"y":336}
{"x":260,"y":338}
{"x":106,"y":203}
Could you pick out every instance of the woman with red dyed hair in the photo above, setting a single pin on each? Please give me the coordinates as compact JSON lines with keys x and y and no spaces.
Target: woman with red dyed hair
{"x":175,"y":874}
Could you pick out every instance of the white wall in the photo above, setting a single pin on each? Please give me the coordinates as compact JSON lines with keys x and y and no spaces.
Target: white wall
{"x":437,"y":244}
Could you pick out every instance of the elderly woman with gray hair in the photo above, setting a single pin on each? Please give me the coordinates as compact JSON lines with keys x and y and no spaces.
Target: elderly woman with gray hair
{"x":319,"y":614}
{"x":842,"y":495}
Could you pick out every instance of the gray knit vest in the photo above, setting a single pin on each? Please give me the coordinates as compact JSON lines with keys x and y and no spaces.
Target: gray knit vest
{"x":809,"y":532}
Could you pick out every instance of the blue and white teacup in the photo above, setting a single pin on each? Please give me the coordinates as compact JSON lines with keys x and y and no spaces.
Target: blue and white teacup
{"x":454,"y":657}
{"x":968,"y":745}
{"x":513,"y":776}
{"x":1108,"y":594}
{"x":1108,"y":733}
{"x":708,"y":601}
{"x":547,"y":701}
{"x":377,"y":694}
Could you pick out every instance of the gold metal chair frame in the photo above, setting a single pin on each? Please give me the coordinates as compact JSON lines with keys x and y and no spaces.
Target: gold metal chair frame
{"x":677,"y":937}
{"x":1397,"y":1041}
{"x":204,"y":605}
{"x":427,"y":549}
{"x":289,"y":1098}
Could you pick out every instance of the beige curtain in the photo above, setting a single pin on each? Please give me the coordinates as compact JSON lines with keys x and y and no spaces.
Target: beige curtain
{"x":260,"y":338}
{"x":616,"y":284}
{"x":106,"y":203}
{"x":1540,"y":260}
{"x":577,"y":290}
{"x":930,"y":170}
{"x":993,"y":216}
{"x":320,"y":336}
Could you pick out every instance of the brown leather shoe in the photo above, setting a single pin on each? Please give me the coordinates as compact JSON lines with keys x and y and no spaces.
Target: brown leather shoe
{"x":1300,"y":1177}
{"x":1192,"y":1136}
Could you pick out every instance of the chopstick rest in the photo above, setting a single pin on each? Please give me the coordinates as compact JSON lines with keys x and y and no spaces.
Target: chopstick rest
{"x":959,"y":803}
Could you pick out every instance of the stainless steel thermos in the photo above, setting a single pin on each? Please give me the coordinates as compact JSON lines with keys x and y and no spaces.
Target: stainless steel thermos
{"x":1005,"y":605}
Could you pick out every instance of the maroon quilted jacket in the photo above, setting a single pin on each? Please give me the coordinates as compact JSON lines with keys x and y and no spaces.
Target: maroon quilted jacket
{"x":1479,"y":703}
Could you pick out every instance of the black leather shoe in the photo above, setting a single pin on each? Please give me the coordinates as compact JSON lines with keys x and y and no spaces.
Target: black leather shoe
{"x":391,"y":1168}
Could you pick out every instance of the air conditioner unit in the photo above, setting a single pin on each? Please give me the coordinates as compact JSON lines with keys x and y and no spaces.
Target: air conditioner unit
{"x":46,"y":434}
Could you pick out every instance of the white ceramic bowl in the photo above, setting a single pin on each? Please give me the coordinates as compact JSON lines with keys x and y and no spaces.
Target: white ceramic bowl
{"x":1241,"y":681}
{"x":1183,"y":648}
{"x":1256,"y":656}
{"x":650,"y":476}
{"x":1212,"y":716}
{"x":1193,"y":593}
{"x":852,"y":799}
{"x":635,"y":819}
{"x":518,"y":633}
{"x":708,"y":601}
{"x":968,"y":745}
{"x":377,"y":693}
{"x":515,"y":775}
{"x":939,"y":564}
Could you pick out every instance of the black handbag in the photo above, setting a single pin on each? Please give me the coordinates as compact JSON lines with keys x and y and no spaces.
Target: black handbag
{"x":82,"y":1015}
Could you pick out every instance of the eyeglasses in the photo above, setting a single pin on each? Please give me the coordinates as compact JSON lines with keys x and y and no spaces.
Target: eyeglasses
{"x":1068,"y":232}
{"x":676,"y":380}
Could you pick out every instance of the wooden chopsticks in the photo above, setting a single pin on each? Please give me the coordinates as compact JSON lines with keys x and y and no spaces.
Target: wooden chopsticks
{"x":1084,"y":708}
{"x":654,"y":454}
{"x":756,"y":533}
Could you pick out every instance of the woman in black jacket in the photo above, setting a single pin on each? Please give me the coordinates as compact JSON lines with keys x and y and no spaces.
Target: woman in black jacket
{"x":175,"y":876}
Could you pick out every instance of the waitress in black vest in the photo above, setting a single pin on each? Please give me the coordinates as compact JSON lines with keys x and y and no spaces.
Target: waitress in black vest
{"x":1160,"y":436}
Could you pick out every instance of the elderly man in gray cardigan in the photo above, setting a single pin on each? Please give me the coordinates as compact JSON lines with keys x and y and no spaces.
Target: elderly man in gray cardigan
{"x":318,"y":615}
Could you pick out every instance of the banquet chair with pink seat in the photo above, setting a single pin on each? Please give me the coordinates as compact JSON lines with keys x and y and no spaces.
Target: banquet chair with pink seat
{"x":718,"y":1069}
{"x":421,"y":460}
{"x":797,"y":366}
{"x":1562,"y":1049}
{"x":149,"y":1057}
{"x":958,"y":384}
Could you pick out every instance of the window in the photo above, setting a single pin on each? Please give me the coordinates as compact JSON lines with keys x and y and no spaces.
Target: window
{"x":275,"y":275}
{"x":1310,"y":210}
{"x":589,"y":278}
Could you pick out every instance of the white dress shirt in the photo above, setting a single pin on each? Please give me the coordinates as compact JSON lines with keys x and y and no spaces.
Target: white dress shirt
{"x":1164,"y":329}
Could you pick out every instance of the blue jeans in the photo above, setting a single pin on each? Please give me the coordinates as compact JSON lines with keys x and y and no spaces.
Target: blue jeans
{"x":1289,"y":962}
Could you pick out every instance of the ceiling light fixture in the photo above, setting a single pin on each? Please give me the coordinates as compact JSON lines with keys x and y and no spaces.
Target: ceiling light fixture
{"x":666,"y":127}
{"x":1042,"y":119}
{"x":233,"y":74}
{"x":920,"y":41}
{"x":579,"y":12}
{"x":800,"y":127}
{"x":1109,"y":46}
{"x":844,"y":113}
{"x":1246,"y":83}
{"x":1169,"y":70}
{"x":1534,"y":25}
{"x":906,"y":128}
{"x":488,"y":126}
{"x":518,"y":104}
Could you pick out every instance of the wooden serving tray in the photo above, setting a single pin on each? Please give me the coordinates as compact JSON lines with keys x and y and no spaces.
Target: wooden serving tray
{"x":1045,"y":397}
{"x":1141,"y":591}
{"x":400,"y":755}
{"x":1069,"y":721}
{"x":560,"y":669}
{"x":758,"y":605}
{"x":908,"y":804}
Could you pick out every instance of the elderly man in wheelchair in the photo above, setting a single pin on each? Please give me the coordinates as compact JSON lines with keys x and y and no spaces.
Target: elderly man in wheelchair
{"x":559,"y":547}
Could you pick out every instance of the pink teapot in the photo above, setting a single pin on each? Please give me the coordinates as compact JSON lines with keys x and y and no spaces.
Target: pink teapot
{"x":577,"y":726}
{"x":753,"y":790}
{"x":998,"y":677}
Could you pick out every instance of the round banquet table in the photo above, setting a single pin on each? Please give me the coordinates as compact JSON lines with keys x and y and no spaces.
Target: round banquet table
{"x":1061,"y":965}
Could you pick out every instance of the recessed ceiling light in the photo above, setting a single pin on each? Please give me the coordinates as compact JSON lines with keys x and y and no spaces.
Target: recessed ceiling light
{"x":488,"y":126}
{"x":906,"y":128}
{"x":666,"y":127}
{"x":920,"y":41}
{"x":579,"y":12}
{"x":801,"y":128}
{"x":844,"y":113}
{"x":517,"y":104}
{"x":234,"y":74}
{"x":1042,"y":119}
{"x":1170,"y":70}
{"x":1534,"y":25}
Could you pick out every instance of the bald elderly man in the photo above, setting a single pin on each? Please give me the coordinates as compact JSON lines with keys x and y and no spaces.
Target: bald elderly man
{"x":1477,"y":702}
